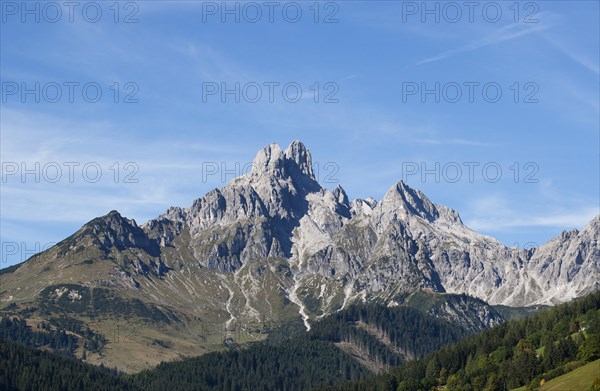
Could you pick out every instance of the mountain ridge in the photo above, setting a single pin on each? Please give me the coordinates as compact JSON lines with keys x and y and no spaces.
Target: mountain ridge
{"x":280,"y":197}
{"x":274,"y":246}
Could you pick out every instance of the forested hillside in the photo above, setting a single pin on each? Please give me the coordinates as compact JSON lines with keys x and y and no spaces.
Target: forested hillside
{"x":62,"y":335}
{"x":526,"y":352}
{"x":381,"y":336}
{"x":387,"y":336}
{"x":23,"y":368}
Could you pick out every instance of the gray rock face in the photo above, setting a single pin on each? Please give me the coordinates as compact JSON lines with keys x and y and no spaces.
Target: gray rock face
{"x":346,"y":251}
{"x":114,"y":231}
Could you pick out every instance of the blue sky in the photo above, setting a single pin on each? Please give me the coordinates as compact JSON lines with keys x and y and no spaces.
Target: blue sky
{"x":369,"y":126}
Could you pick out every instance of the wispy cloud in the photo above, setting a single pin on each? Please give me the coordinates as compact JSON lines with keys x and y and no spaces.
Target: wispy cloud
{"x":505,"y":33}
{"x":168,"y":172}
{"x":575,"y":219}
{"x":495,"y":213}
{"x":575,"y":55}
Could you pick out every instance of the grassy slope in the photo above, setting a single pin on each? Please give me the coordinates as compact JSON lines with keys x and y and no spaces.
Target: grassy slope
{"x":579,"y":379}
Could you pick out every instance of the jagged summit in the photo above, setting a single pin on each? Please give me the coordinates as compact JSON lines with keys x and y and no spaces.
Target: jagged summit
{"x":300,"y":155}
{"x":340,"y":195}
{"x":410,"y":201}
{"x":272,"y":166}
{"x":404,"y":202}
{"x":271,"y":160}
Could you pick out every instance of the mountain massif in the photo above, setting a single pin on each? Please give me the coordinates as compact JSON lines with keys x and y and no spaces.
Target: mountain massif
{"x":275,"y":248}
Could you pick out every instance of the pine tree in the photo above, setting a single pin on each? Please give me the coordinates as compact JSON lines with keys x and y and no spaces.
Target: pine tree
{"x":494,"y":383}
{"x":590,"y":349}
{"x":551,"y":354}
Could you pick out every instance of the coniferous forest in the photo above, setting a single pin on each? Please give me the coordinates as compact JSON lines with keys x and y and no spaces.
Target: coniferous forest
{"x":307,"y":360}
{"x":518,"y":353}
{"x":23,"y":368}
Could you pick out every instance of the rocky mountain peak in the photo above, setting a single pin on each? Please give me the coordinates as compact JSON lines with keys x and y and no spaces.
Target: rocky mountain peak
{"x":114,"y":231}
{"x":340,"y":195}
{"x":300,"y":155}
{"x":271,"y":163}
{"x":269,"y":159}
{"x":281,"y":180}
{"x":114,"y":220}
{"x":401,"y":197}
